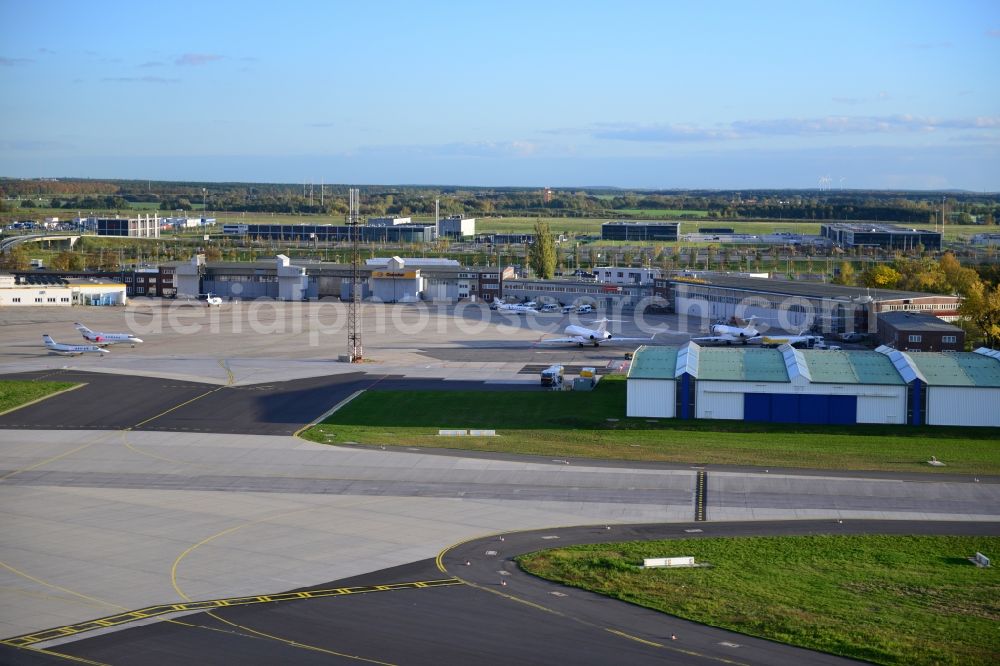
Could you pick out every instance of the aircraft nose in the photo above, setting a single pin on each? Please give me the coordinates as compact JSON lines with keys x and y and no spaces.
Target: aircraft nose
{"x":137,"y":339}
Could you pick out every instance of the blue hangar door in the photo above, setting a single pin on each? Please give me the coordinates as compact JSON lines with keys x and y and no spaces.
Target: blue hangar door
{"x":794,"y":408}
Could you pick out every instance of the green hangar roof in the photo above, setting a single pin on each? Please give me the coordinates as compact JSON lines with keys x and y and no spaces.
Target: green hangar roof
{"x":742,"y":365}
{"x":855,"y":367}
{"x":957,"y":369}
{"x":653,"y":363}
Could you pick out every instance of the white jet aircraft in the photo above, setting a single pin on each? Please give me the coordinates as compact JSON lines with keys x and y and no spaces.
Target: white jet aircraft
{"x":725,"y":334}
{"x":104,"y":339}
{"x":581,"y":335}
{"x":515,"y":307}
{"x":210,"y":300}
{"x":71,"y":350}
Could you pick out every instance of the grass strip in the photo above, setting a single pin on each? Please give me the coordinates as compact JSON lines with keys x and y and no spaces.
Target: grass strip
{"x":589,"y":424}
{"x":885,"y":599}
{"x":16,"y":393}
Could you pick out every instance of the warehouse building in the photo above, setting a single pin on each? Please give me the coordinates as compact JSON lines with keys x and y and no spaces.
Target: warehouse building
{"x":793,"y":305}
{"x":788,"y":385}
{"x":885,"y":236}
{"x":640,"y":231}
{"x":457,"y":227}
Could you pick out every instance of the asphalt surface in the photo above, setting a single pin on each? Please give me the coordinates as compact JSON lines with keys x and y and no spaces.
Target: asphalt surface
{"x":526,"y":621}
{"x":114,"y":402}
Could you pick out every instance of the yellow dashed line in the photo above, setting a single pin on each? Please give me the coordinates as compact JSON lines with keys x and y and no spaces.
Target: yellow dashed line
{"x":154,"y":611}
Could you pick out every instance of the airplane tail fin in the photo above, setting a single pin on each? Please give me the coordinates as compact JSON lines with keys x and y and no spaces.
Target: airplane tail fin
{"x":48,"y":340}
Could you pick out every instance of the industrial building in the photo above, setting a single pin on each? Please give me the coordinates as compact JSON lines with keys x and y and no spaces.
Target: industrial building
{"x":623,"y":275}
{"x":49,"y":291}
{"x":608,"y":297}
{"x":917,"y":331}
{"x":331,"y":233}
{"x":457,"y":227}
{"x":885,"y":236}
{"x":141,"y":281}
{"x":792,"y":305}
{"x":640,"y":231}
{"x":141,"y":226}
{"x":788,"y":385}
{"x":392,"y":279}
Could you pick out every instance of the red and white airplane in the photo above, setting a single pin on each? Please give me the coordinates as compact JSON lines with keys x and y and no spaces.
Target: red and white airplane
{"x":104,"y":339}
{"x":71,"y":350}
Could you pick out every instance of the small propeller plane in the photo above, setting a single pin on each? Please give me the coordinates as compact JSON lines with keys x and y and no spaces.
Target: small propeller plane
{"x":104,"y":339}
{"x":71,"y":350}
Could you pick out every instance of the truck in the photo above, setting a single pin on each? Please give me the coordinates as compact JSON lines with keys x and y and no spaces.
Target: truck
{"x":552,"y":376}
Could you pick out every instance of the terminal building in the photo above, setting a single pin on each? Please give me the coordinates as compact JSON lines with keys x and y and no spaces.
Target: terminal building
{"x":792,"y":305}
{"x":640,"y":231}
{"x":47,"y":291}
{"x":788,"y":385}
{"x":884,"y":236}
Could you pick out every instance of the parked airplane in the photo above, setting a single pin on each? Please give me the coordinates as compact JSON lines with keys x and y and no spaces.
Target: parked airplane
{"x":104,"y":339}
{"x":801,"y":340}
{"x":725,"y":334}
{"x":514,"y":307}
{"x":210,"y":300}
{"x":71,"y":350}
{"x":581,"y":335}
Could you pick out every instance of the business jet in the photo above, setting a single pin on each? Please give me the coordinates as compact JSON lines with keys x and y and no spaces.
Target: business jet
{"x":521,"y":308}
{"x":104,"y":339}
{"x":581,"y":335}
{"x":210,"y":300}
{"x":725,"y":334}
{"x":71,"y":350}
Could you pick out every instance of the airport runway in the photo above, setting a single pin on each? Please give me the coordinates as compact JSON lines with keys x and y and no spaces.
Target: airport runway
{"x":454,"y":610}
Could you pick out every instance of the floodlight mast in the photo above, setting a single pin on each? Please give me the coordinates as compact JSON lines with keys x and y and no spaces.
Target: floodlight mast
{"x":354,"y":350}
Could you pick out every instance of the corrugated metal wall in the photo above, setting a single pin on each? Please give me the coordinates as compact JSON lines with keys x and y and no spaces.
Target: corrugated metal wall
{"x":960,"y":405}
{"x":651,"y":398}
{"x":711,"y":404}
{"x":886,"y":404}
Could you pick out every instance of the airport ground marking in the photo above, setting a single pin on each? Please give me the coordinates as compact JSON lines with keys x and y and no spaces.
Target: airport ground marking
{"x":230,"y":378}
{"x":700,"y":495}
{"x":167,"y":411}
{"x":68,"y":657}
{"x":128,"y":617}
{"x":325,"y":415}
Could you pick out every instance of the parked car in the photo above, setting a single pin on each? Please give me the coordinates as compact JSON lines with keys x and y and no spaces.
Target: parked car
{"x":585,"y":309}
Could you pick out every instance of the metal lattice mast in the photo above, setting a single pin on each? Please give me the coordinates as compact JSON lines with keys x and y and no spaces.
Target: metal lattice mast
{"x":354,"y":302}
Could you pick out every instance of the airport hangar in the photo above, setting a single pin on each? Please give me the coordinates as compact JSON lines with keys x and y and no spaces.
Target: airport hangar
{"x":793,"y":305}
{"x":789,"y":385}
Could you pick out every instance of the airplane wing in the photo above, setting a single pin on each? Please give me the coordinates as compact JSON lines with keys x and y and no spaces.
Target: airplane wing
{"x":565,"y":341}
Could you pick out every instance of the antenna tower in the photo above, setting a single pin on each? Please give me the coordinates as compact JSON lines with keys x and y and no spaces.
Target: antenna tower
{"x":354,"y":350}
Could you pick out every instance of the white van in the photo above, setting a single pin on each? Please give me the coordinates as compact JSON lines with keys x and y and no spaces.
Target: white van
{"x":550,"y":307}
{"x":585,"y":309}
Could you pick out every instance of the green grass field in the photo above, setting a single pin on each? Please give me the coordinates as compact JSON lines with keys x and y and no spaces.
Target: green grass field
{"x":14,"y":393}
{"x":660,"y":212}
{"x":889,"y":600}
{"x":593,"y":425}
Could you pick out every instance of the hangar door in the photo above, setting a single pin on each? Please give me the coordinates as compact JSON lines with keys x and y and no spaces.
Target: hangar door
{"x":796,"y":408}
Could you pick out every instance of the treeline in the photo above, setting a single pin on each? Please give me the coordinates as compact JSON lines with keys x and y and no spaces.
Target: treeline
{"x":316,"y":199}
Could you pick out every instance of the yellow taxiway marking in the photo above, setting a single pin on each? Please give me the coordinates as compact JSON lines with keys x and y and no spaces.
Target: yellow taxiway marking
{"x":55,"y":458}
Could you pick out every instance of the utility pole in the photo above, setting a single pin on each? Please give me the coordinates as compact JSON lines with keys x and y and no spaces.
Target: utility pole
{"x":354,"y":349}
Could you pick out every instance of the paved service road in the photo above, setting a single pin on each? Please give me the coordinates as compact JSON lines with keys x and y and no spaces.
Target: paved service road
{"x":478,"y":620}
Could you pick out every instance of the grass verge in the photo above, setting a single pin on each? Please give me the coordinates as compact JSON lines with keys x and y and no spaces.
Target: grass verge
{"x":591,"y":425}
{"x":885,"y":599}
{"x":17,"y":393}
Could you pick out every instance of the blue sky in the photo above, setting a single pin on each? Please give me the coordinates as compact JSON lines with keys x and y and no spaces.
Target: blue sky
{"x":630,"y":94}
